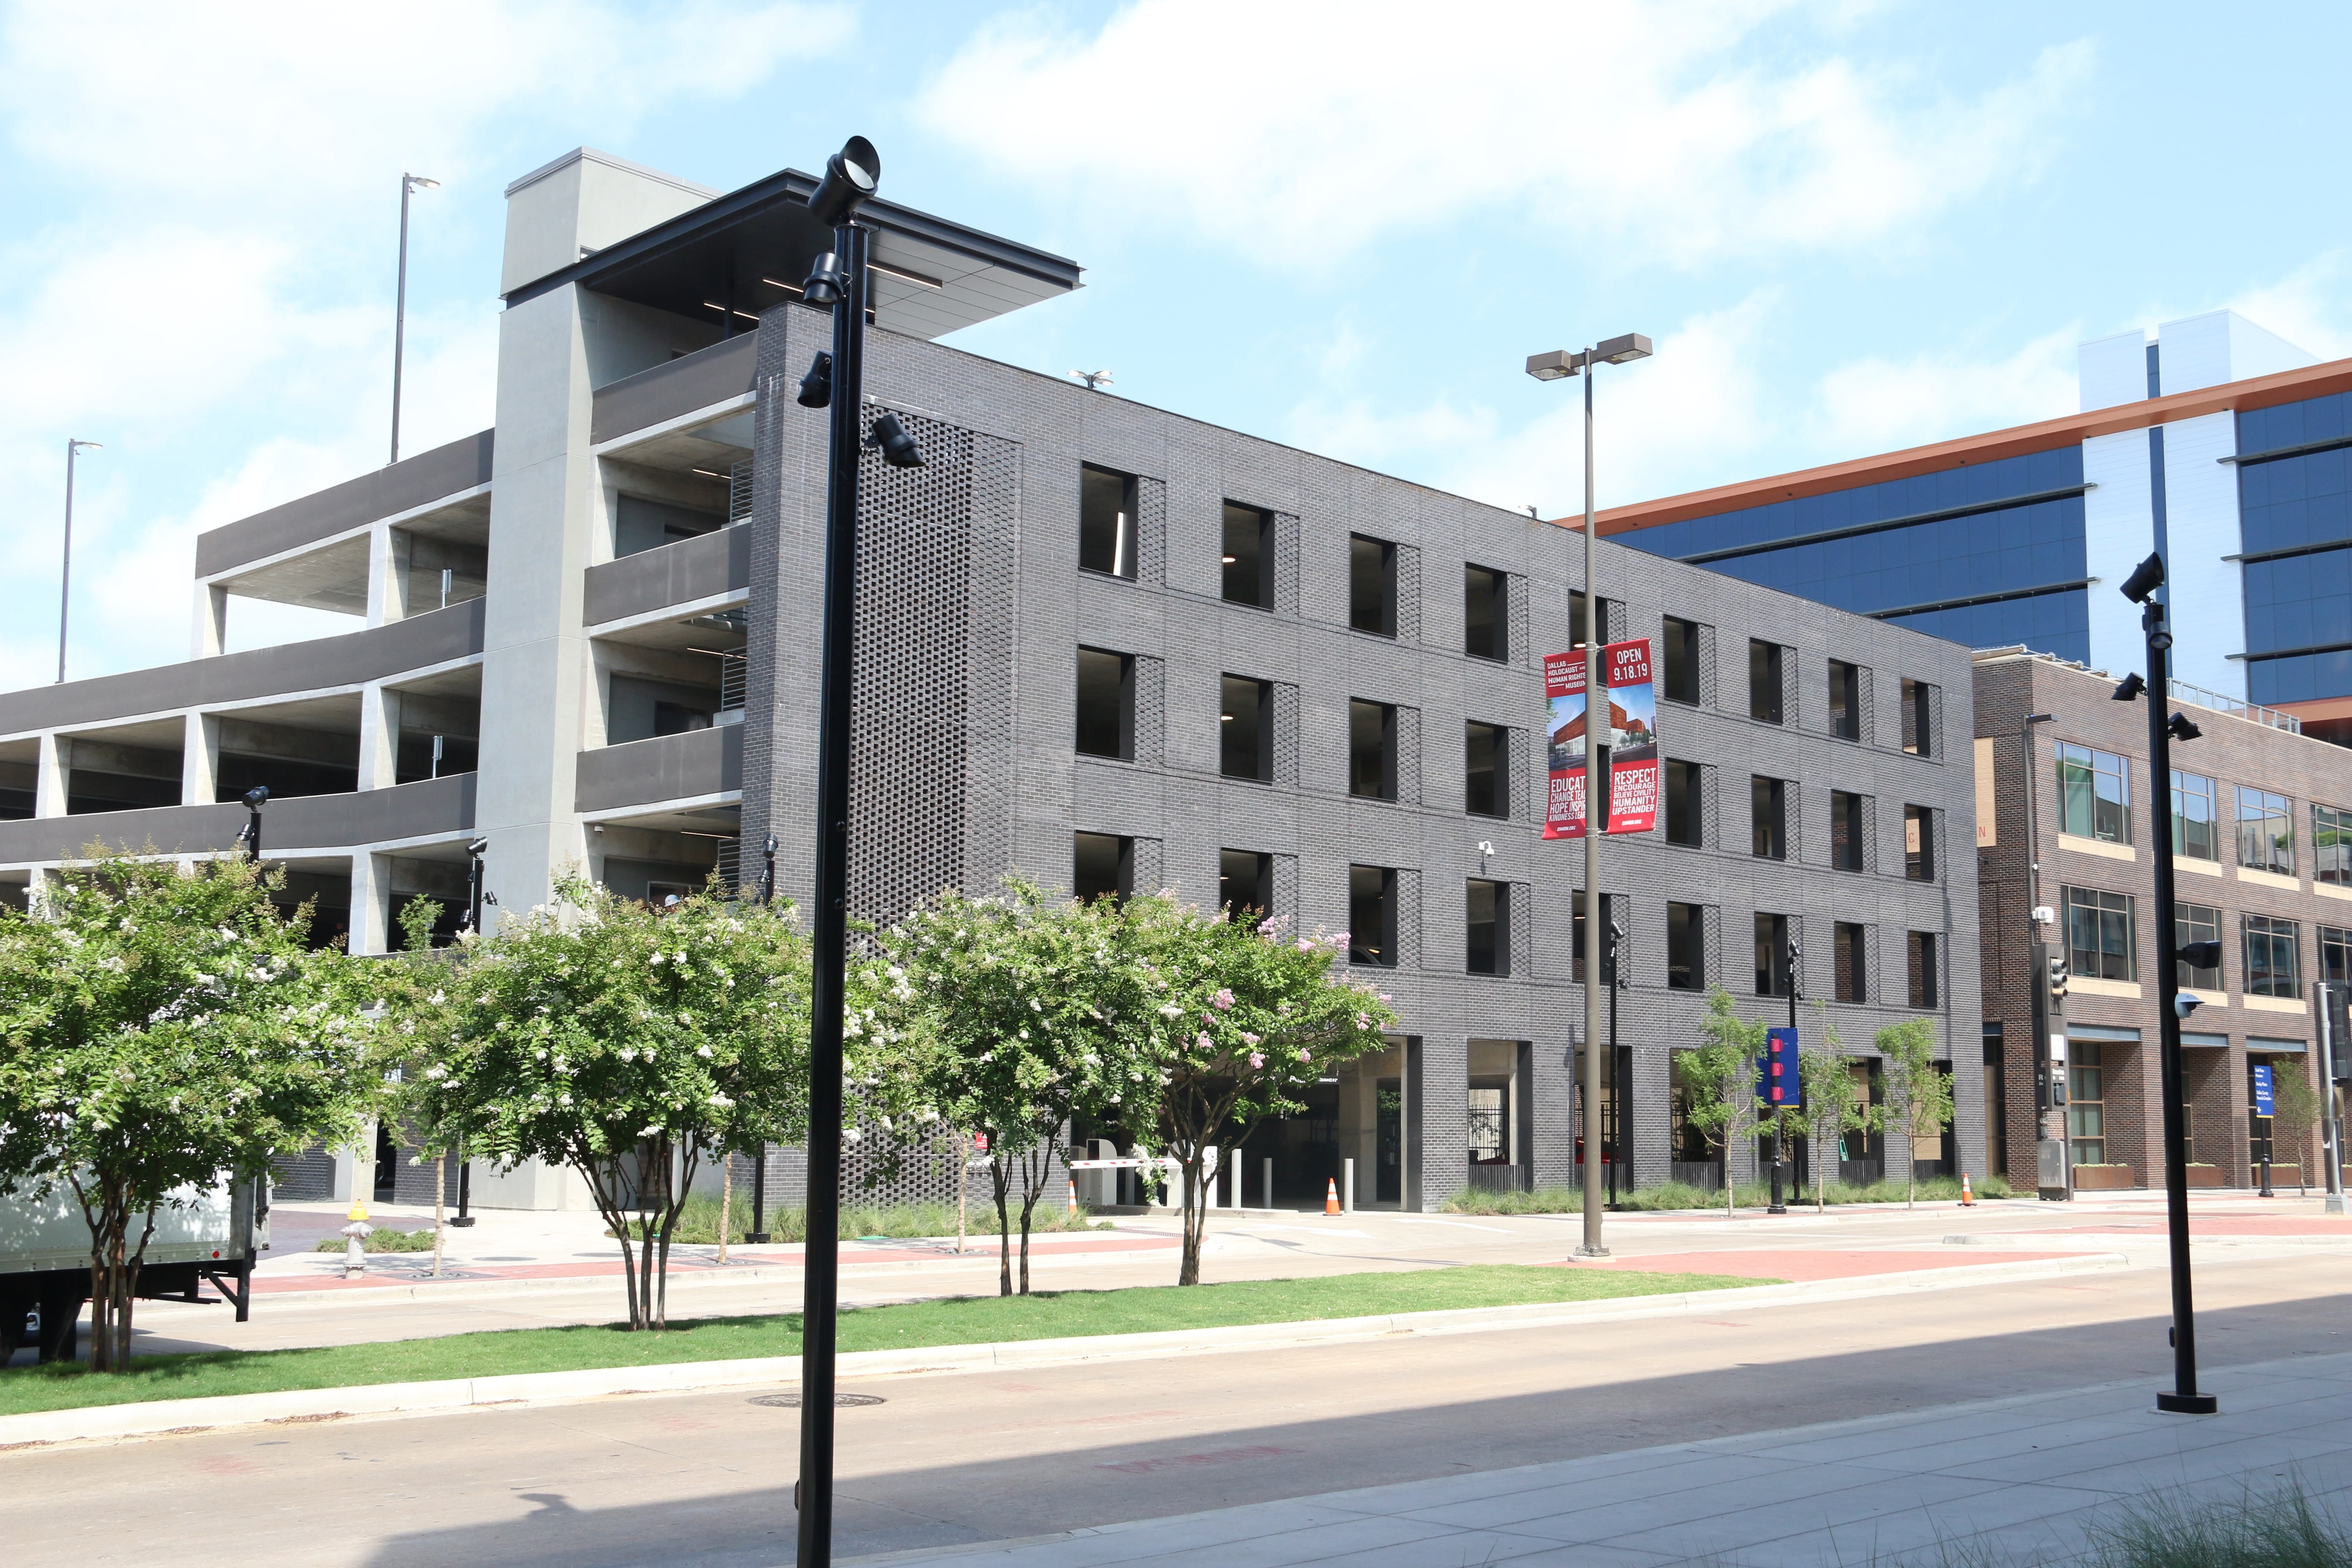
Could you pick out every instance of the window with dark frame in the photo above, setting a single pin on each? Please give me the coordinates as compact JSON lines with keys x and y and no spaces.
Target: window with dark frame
{"x":1686,"y":947}
{"x":1106,"y":704}
{"x":2266,"y":832}
{"x":1101,"y":866}
{"x":1106,"y":523}
{"x":1245,"y":725}
{"x":1772,"y":976}
{"x":2087,"y":1126}
{"x":2093,"y":794}
{"x":1850,"y":945}
{"x":1683,"y":800}
{"x":1849,"y":841}
{"x":1372,"y":585}
{"x":1486,"y":612}
{"x":1245,"y":884}
{"x":2196,"y":817}
{"x":1920,"y":949}
{"x":1489,"y":932}
{"x":1918,"y":718}
{"x":1920,"y":843}
{"x":1845,"y":700}
{"x":1767,"y":813}
{"x":2273,"y":966}
{"x":1485,"y":769}
{"x":1371,"y":916}
{"x":1679,"y":659}
{"x":2196,"y":923}
{"x":1371,"y":750}
{"x":1764,"y":680}
{"x":2331,"y":845}
{"x":2335,"y":955}
{"x":1248,"y":557}
{"x":2102,"y":934}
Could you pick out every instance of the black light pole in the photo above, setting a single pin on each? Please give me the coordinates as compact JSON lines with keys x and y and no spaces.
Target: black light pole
{"x":1779,"y":1201}
{"x":2140,"y":588}
{"x":255,"y":799}
{"x":757,"y":1236}
{"x":65,"y":571}
{"x":768,"y":877}
{"x":400,"y":299}
{"x":1615,"y":979}
{"x":839,"y":279}
{"x":475,"y":896}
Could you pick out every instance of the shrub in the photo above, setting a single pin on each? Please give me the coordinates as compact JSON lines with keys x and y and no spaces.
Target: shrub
{"x":698,"y":1221}
{"x":1668,"y":1195}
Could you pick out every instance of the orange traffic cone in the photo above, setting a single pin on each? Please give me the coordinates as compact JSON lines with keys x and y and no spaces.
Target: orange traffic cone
{"x":1967,"y":1194}
{"x":1331,"y":1197}
{"x":1073,"y":1200}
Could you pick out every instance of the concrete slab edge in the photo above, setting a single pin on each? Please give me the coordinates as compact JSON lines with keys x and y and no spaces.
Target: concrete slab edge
{"x":166,"y":1417}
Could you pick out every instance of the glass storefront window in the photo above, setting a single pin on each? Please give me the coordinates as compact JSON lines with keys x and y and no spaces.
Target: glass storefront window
{"x":2086,"y":1110}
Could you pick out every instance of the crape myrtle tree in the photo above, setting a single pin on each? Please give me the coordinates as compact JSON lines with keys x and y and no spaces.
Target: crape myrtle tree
{"x":1919,"y":1093}
{"x":1015,"y":1014}
{"x":163,"y":1029}
{"x":2297,"y":1104}
{"x":1719,"y":1076}
{"x":1242,"y":1016}
{"x":1834,"y":1105}
{"x":628,"y":1043}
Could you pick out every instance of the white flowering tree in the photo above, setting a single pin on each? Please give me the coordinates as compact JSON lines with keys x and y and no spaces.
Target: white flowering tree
{"x":627,"y":1043}
{"x":1013,"y":1014}
{"x":1241,"y":1017}
{"x":161,"y":1029}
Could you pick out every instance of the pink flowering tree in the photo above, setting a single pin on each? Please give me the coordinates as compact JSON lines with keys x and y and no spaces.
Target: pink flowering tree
{"x":1243,"y":1017}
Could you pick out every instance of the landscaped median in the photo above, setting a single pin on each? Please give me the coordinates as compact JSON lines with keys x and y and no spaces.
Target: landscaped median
{"x":968,"y":1320}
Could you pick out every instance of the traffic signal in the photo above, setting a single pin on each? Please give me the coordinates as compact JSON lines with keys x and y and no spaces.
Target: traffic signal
{"x":2057,"y":984}
{"x":1776,"y":1085}
{"x":2333,"y":1011}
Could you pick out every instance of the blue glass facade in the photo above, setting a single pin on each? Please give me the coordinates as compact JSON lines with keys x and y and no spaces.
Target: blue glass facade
{"x":2299,"y":604}
{"x":2026,"y":561}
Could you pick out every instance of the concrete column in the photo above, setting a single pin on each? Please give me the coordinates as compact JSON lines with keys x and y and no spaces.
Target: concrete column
{"x":200,"y":761}
{"x":379,"y":737}
{"x":371,"y":903}
{"x":211,"y":622}
{"x":50,"y":776}
{"x":387,"y":575}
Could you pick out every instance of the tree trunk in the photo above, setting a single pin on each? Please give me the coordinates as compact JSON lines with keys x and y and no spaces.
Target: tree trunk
{"x":440,"y":1229}
{"x":963,"y":1188}
{"x":1000,"y":1176}
{"x":725,"y":1199}
{"x":1910,"y":1172}
{"x":1032,"y":1180}
{"x":1195,"y":1219}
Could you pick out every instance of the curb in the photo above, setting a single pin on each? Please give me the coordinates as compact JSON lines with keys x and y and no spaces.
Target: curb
{"x":174,"y":1416}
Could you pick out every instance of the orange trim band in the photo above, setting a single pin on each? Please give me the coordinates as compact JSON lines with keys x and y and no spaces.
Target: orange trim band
{"x":2262,"y":392}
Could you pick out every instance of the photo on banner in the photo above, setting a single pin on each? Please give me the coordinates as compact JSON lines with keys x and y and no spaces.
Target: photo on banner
{"x":1632,"y":740}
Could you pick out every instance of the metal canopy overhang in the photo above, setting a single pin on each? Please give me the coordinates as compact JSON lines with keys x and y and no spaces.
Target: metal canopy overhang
{"x":719,"y":256}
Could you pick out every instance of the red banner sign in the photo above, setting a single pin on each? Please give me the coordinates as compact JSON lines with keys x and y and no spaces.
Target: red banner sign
{"x":1632,"y":738}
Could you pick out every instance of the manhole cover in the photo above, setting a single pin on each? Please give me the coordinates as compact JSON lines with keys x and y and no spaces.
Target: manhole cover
{"x":840,"y":1401}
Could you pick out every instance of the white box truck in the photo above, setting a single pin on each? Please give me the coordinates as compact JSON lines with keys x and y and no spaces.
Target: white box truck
{"x":208,"y":1237}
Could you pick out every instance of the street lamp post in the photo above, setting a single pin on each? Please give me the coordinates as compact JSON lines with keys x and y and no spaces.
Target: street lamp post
{"x":2140,"y":588}
{"x":400,"y":299}
{"x":64,"y":569}
{"x":839,"y":279}
{"x":1794,"y":955}
{"x":250,"y":835}
{"x":1617,"y":1074}
{"x":1552,"y":366}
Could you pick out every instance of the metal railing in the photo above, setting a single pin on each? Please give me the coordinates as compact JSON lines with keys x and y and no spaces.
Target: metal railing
{"x":2255,"y":711}
{"x":739,"y":491}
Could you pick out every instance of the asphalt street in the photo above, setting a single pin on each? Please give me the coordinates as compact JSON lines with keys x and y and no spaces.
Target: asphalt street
{"x":705,"y":1480}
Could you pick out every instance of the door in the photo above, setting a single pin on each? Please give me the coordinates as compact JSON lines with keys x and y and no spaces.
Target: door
{"x":1388,"y":1133}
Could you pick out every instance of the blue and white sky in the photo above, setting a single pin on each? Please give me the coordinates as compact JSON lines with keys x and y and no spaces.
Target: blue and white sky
{"x":1849,"y":225}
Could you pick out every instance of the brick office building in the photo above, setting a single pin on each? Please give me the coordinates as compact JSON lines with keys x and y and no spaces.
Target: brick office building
{"x":2262,"y":816}
{"x":1101,"y":645}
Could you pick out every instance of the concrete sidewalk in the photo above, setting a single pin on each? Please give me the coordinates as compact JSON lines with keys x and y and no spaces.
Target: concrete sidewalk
{"x":2021,"y":1479}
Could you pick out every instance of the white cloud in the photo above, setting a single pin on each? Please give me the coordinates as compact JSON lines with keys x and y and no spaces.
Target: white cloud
{"x":1307,"y":131}
{"x":2306,"y":306}
{"x":208,"y":292}
{"x":1876,"y":404}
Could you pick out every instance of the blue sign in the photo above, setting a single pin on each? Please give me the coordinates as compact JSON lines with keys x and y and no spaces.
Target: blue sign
{"x":2263,"y":1100}
{"x":1775,"y":1080}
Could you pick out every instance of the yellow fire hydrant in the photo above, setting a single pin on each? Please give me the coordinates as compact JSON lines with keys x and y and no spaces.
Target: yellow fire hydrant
{"x":358,"y":1231}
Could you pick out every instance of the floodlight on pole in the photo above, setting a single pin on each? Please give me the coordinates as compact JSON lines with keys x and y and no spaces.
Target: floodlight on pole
{"x":408,"y":183}
{"x":65,"y":571}
{"x":1554,"y":366}
{"x":255,"y":799}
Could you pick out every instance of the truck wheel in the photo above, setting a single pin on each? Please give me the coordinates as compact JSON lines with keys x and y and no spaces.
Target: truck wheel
{"x":61,"y":1325}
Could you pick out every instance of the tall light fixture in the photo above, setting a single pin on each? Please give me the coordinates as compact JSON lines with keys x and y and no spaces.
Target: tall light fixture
{"x":65,"y":571}
{"x":840,"y":281}
{"x":2140,"y":589}
{"x":400,"y":299}
{"x":255,"y":799}
{"x":1552,"y":367}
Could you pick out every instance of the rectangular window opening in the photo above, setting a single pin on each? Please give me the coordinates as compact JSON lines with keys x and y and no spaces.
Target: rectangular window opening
{"x":1850,"y":944}
{"x":1680,"y":657}
{"x":1372,"y":585}
{"x":1918,"y":723}
{"x":1106,"y":523}
{"x":1920,"y":843}
{"x":1768,"y":813}
{"x":1102,"y":866}
{"x":1773,"y":978}
{"x":1485,"y":620}
{"x":1921,"y":948}
{"x":1485,"y":769}
{"x":1371,"y":750}
{"x":2273,"y":966}
{"x":1245,"y":884}
{"x":2196,"y":923}
{"x":2093,"y":794}
{"x":2331,"y":845}
{"x":1683,"y":801}
{"x":1248,"y":558}
{"x":1848,"y":838}
{"x":1106,"y":704}
{"x":1489,"y":933}
{"x":1686,"y":947}
{"x":2195,"y":818}
{"x":1245,"y":725}
{"x":1371,"y":916}
{"x":1764,"y":681}
{"x":1845,"y":700}
{"x":2102,"y":941}
{"x":2266,"y":832}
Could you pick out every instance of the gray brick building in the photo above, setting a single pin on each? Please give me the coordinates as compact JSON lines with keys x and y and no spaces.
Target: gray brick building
{"x":1101,"y":645}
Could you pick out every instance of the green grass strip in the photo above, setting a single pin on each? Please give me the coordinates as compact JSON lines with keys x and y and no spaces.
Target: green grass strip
{"x":975,"y":1320}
